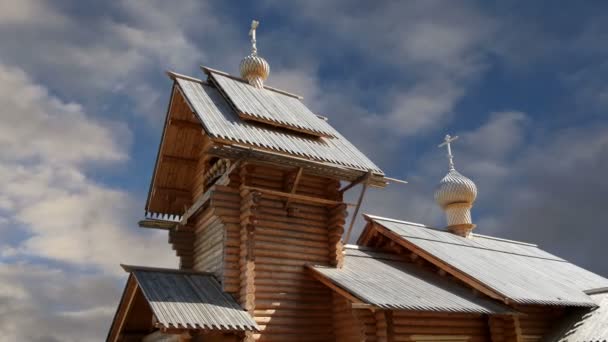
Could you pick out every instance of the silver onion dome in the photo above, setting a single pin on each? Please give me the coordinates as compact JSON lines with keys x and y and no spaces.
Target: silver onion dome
{"x":255,"y":70}
{"x":455,"y":188}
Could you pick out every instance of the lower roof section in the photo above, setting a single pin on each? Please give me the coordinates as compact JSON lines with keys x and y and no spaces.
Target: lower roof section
{"x":518,"y":272}
{"x":386,"y":281}
{"x":182,"y":300}
{"x":584,"y":324}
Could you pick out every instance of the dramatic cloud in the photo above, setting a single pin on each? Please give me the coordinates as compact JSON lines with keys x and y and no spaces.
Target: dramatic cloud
{"x":82,"y":94}
{"x":53,"y":212}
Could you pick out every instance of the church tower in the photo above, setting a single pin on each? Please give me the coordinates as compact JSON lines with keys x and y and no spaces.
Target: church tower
{"x":248,"y":185}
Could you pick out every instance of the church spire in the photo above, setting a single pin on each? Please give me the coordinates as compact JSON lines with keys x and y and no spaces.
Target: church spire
{"x":456,"y":195}
{"x":254,"y":68}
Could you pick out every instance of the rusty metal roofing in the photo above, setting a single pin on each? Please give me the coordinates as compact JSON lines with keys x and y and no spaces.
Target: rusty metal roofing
{"x":222,"y":123}
{"x":584,"y":324}
{"x":387,"y":281}
{"x":190,"y":300}
{"x":520,"y":272}
{"x":270,"y":106}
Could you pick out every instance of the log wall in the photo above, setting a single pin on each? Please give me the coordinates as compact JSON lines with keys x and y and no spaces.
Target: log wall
{"x":278,"y":237}
{"x":352,"y":324}
{"x":420,"y":326}
{"x":533,"y":324}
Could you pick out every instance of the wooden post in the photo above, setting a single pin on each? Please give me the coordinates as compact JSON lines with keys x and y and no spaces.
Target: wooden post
{"x":358,"y":206}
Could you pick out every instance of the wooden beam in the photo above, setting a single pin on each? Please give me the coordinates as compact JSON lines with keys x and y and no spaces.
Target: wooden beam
{"x":294,"y":187}
{"x":124,"y":306}
{"x":353,"y":183}
{"x":294,"y":196}
{"x":185,"y":124}
{"x":178,"y":160}
{"x":390,"y":327}
{"x":359,"y":201}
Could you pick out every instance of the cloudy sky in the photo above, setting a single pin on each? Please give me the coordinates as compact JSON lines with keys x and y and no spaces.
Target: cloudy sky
{"x":83,"y":95}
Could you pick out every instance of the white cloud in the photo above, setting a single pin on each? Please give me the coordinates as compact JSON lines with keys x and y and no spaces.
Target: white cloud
{"x":62,"y":306}
{"x":67,"y":216}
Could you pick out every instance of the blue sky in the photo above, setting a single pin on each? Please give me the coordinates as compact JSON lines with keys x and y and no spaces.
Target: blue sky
{"x":83,"y":97}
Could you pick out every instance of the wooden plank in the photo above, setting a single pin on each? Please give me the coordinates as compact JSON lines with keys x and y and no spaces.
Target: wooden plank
{"x":187,"y":124}
{"x":168,"y":158}
{"x":124,"y":306}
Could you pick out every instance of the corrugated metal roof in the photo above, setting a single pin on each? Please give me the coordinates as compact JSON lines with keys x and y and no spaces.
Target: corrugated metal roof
{"x":385,"y":281}
{"x":586,"y":325}
{"x":270,"y":106}
{"x":190,"y":300}
{"x":521,"y":272}
{"x":221,"y":122}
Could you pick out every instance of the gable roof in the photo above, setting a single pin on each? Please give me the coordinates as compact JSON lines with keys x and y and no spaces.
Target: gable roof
{"x":223,"y":124}
{"x":386,"y":281}
{"x":519,"y":272}
{"x":184,"y":300}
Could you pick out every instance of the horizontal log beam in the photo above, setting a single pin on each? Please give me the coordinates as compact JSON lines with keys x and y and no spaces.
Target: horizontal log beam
{"x":295,"y":196}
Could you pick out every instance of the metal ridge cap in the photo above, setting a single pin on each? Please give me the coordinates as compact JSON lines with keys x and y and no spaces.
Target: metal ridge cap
{"x":381,"y":218}
{"x":209,"y":70}
{"x":133,"y":268}
{"x":173,"y":75}
{"x":505,"y":240}
{"x":597,"y":290}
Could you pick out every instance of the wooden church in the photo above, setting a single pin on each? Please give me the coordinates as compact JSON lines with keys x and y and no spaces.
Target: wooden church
{"x":249,"y":184}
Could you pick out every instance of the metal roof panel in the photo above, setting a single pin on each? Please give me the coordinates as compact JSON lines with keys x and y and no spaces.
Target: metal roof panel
{"x":384,"y":281}
{"x":270,"y":106}
{"x":521,"y":272}
{"x":191,"y":300}
{"x":221,"y":122}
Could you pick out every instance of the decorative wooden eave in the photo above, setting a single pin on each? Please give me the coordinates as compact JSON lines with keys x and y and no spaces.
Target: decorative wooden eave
{"x":372,"y":228}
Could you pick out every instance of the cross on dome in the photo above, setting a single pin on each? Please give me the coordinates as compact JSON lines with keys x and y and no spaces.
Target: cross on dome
{"x":254,"y":25}
{"x":254,"y":68}
{"x":447,"y":141}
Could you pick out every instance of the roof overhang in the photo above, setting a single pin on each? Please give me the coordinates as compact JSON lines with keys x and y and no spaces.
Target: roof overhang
{"x":179,"y":301}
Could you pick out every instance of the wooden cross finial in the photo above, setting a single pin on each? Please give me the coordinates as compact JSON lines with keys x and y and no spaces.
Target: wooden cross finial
{"x":254,"y":25}
{"x":447,"y":142}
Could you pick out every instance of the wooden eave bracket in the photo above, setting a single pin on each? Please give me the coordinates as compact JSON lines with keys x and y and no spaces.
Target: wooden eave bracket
{"x":204,"y":198}
{"x":365,"y":182}
{"x":294,"y":186}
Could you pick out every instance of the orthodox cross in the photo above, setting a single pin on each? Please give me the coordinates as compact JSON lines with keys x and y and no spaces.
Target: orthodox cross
{"x":254,"y":25}
{"x":447,"y":142}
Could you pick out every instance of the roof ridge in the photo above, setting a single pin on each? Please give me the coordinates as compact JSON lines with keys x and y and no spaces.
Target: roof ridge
{"x":133,"y":268}
{"x":505,"y":240}
{"x":488,"y":249}
{"x":445,"y":231}
{"x":209,"y":70}
{"x":422,"y":225}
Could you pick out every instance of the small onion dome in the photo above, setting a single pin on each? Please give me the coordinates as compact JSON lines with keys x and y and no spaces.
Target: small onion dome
{"x":455,"y":188}
{"x":255,"y":70}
